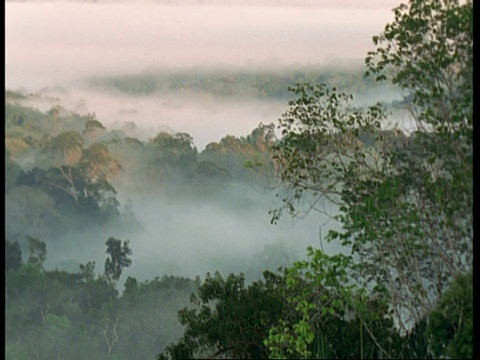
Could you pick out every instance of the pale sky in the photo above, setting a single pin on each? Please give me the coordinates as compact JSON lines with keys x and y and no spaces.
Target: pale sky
{"x":58,"y":41}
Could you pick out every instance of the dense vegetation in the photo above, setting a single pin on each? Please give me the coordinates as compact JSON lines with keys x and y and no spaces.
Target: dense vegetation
{"x":402,"y":287}
{"x":80,"y":315}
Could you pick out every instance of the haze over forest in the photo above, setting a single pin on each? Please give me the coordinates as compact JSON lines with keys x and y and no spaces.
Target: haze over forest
{"x":86,"y":55}
{"x":74,"y":44}
{"x":154,"y":123}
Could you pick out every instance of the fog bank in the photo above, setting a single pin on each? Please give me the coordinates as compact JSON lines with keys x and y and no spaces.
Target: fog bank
{"x":50,"y":43}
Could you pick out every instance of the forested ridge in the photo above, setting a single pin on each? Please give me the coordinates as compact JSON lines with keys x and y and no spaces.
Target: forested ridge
{"x":401,"y":288}
{"x":259,"y":82}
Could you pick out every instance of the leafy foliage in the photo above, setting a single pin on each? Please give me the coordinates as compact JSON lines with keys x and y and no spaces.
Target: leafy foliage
{"x":246,"y":158}
{"x":38,"y":251}
{"x":118,"y":258}
{"x":66,"y":148}
{"x":405,"y":200}
{"x":427,"y":50}
{"x":330,"y":316}
{"x":173,"y":157}
{"x":228,"y":318}
{"x":322,"y":144}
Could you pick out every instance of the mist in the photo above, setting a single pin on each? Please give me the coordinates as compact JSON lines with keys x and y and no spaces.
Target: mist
{"x":56,"y":49}
{"x":63,"y":44}
{"x":203,"y":116}
{"x":229,"y":232}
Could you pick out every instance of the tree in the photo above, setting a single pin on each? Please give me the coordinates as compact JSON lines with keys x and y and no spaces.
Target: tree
{"x":172,"y":157}
{"x":38,"y":251}
{"x":79,"y":178}
{"x":132,"y":154}
{"x":97,"y":163}
{"x":209,"y":174}
{"x":246,"y":158}
{"x":228,"y":318}
{"x":322,"y":146}
{"x":66,"y":148}
{"x":54,"y":112}
{"x":329,"y":316}
{"x":428,"y":52}
{"x":118,"y":258}
{"x":87,"y":271}
{"x":66,"y":151}
{"x":405,"y":200}
{"x":92,"y":128}
{"x":262,"y":137}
